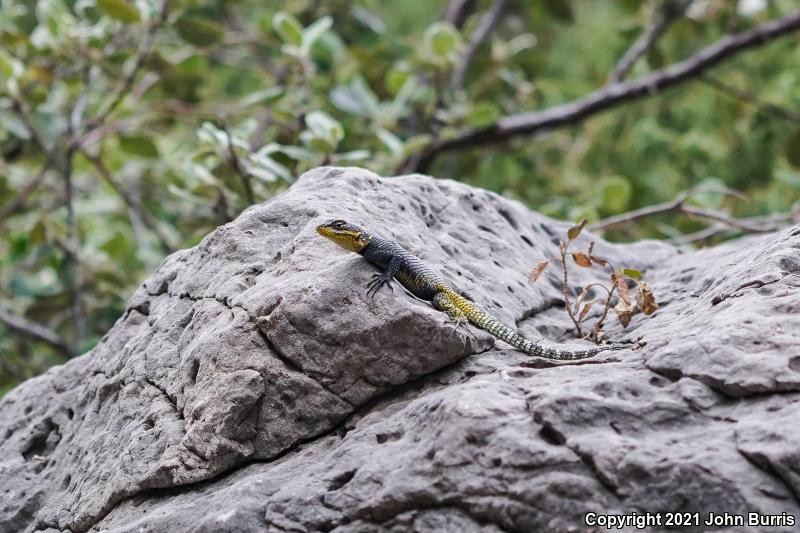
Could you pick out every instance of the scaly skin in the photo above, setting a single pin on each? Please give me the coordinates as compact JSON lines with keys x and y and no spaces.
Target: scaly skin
{"x":421,"y":281}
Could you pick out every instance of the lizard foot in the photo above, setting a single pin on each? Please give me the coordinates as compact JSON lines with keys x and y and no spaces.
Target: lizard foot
{"x":459,"y":323}
{"x":378,"y":281}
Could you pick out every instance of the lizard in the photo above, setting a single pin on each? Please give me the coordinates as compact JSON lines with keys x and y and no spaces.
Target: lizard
{"x":425,"y":284}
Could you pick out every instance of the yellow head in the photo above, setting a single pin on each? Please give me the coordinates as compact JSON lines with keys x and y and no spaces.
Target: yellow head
{"x":348,"y":236}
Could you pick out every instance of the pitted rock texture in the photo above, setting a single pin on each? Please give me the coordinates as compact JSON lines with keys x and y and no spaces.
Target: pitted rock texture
{"x":251,"y":385}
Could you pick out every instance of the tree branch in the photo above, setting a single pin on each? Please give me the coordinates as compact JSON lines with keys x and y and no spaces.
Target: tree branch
{"x":609,"y":96}
{"x":145,"y":47}
{"x":457,"y":12}
{"x":73,"y":274}
{"x":678,"y":205}
{"x":146,"y":218}
{"x":233,"y":160}
{"x":487,"y":23}
{"x":772,"y":220}
{"x":767,"y":107}
{"x":667,"y":13}
{"x":37,"y":332}
{"x":19,"y":200}
{"x":22,"y":111}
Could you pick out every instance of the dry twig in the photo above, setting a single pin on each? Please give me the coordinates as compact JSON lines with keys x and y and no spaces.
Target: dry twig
{"x":667,"y":14}
{"x":37,"y":332}
{"x":679,"y":205}
{"x":457,"y":12}
{"x":487,"y":23}
{"x":767,"y":107}
{"x":147,"y":219}
{"x":18,"y":202}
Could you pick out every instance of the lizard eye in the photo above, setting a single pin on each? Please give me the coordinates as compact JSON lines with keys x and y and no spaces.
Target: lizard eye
{"x":338,"y":224}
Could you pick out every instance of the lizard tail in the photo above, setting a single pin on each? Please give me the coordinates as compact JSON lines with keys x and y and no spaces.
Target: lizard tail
{"x":488,"y":323}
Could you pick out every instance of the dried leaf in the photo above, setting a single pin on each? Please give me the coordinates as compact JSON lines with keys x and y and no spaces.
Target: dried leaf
{"x":632,"y":272}
{"x":585,"y":310}
{"x":581,"y":296}
{"x":537,"y":271}
{"x":598,"y":260}
{"x":624,"y":317}
{"x":622,"y":288}
{"x":624,"y":314}
{"x":646,"y":299}
{"x":581,"y":259}
{"x":574,"y":231}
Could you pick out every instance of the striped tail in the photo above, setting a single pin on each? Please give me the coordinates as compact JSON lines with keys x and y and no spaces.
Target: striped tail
{"x":488,"y":323}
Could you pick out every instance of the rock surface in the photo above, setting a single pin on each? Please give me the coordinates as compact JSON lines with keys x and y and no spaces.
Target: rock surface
{"x":251,"y":385}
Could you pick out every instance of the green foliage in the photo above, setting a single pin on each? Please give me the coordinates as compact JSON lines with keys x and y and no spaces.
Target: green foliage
{"x":235,"y":99}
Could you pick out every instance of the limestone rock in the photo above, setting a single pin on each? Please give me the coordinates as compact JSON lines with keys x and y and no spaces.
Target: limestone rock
{"x":251,"y":384}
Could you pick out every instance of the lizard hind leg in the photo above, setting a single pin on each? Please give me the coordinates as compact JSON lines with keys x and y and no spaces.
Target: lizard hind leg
{"x":459,"y":318}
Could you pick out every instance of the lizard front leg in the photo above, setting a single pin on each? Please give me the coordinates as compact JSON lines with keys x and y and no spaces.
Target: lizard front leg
{"x":383,"y":278}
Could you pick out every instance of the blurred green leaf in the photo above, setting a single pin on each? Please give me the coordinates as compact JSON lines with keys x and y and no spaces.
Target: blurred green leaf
{"x":117,"y":245}
{"x":39,"y":233}
{"x":792,"y":149}
{"x":199,"y":31}
{"x":311,"y":34}
{"x":354,"y":155}
{"x":121,"y":10}
{"x":632,"y":273}
{"x":318,"y":144}
{"x":397,"y":76}
{"x":391,"y":141}
{"x":442,"y":40}
{"x":288,"y":27}
{"x":14,"y":125}
{"x":20,"y":287}
{"x":356,"y":98}
{"x":615,"y":193}
{"x":264,"y":96}
{"x":138,"y":145}
{"x":325,"y":127}
{"x":483,"y":114}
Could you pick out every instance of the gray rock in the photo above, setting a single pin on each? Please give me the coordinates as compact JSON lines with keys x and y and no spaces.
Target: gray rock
{"x":251,"y":385}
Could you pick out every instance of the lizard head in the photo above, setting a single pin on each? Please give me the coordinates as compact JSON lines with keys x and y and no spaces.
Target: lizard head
{"x":348,"y":236}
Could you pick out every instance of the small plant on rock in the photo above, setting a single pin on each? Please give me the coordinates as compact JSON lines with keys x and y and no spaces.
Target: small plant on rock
{"x":622,"y":282}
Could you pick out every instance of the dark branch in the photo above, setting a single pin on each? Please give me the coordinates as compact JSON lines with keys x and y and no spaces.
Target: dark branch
{"x":20,"y":107}
{"x":457,"y":12}
{"x":773,"y":220}
{"x":73,"y":270}
{"x":609,"y":96}
{"x":19,"y":200}
{"x":233,"y":160}
{"x":146,"y":218}
{"x":667,"y":13}
{"x":767,"y":107}
{"x":488,"y":22}
{"x":145,"y":47}
{"x":37,"y":332}
{"x":679,"y":205}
